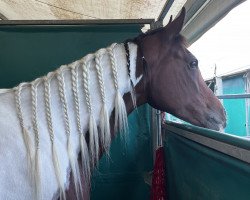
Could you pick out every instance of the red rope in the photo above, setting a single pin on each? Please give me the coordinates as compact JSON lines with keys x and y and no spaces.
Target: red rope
{"x":158,"y":190}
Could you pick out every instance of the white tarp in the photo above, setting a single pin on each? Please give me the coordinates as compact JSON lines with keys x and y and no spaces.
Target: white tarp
{"x":80,"y":9}
{"x":201,"y":15}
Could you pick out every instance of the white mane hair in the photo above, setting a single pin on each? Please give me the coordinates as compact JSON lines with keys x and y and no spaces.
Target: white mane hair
{"x":44,"y":124}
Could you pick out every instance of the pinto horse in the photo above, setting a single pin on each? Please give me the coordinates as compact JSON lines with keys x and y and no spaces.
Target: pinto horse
{"x":79,"y":107}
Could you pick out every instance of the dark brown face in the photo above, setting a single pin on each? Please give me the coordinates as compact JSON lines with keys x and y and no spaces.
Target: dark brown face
{"x":175,"y":84}
{"x":178,"y":88}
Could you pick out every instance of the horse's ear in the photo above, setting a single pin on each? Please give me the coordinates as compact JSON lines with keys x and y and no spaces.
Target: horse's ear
{"x":174,"y":28}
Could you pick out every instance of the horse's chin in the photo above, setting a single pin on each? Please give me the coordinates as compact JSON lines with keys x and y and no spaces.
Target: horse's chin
{"x":214,"y":121}
{"x":208,"y":124}
{"x":215,"y":126}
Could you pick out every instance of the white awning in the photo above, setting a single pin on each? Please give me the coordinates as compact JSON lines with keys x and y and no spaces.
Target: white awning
{"x":201,"y":15}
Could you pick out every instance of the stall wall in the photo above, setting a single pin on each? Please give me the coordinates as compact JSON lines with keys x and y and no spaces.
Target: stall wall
{"x":197,"y":172}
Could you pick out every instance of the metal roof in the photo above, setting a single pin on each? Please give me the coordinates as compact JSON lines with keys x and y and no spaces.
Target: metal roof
{"x":84,"y":9}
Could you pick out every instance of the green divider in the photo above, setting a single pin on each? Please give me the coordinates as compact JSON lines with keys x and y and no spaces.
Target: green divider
{"x":198,"y":172}
{"x":27,"y":52}
{"x":122,"y":177}
{"x":223,"y":137}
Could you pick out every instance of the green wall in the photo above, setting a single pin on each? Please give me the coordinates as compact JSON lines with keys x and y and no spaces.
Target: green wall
{"x":197,"y":172}
{"x":27,"y":52}
{"x":122,"y":176}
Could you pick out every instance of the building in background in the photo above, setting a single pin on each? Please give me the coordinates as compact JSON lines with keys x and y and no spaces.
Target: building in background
{"x":238,"y":109}
{"x":229,"y":87}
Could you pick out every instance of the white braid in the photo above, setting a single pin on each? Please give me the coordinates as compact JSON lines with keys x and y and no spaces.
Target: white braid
{"x":26,"y":134}
{"x":74,"y":78}
{"x":121,"y":121}
{"x":104,"y":120}
{"x":72,"y":159}
{"x":93,"y":133}
{"x":99,"y":70}
{"x":86,"y":85}
{"x":34,"y":112}
{"x":113,"y":65}
{"x":37,"y":171}
{"x":83,"y":143}
{"x":51,"y":132}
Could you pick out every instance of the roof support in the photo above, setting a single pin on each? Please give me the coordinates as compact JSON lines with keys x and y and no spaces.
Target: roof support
{"x":2,"y":17}
{"x":202,"y":15}
{"x":165,"y":10}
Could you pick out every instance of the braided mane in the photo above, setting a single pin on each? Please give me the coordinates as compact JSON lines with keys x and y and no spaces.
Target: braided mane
{"x":90,"y":156}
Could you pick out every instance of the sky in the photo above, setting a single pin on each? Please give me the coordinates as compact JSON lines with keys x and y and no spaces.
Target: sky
{"x":226,"y":45}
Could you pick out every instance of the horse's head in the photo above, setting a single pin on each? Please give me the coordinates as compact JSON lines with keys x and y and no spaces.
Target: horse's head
{"x":172,"y":81}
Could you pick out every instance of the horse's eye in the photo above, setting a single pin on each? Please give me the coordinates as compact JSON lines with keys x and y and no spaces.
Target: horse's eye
{"x":193,"y":64}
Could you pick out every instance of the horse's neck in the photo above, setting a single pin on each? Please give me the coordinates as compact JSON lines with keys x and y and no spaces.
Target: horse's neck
{"x":94,"y":86}
{"x":66,"y":112}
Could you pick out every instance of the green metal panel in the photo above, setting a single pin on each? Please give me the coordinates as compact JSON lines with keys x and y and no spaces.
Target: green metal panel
{"x":27,"y":52}
{"x":235,"y":108}
{"x":197,"y":172}
{"x":122,"y":177}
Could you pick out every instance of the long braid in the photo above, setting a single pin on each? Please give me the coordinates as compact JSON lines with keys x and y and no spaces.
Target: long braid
{"x":104,"y":120}
{"x":26,"y":134}
{"x":47,"y":97}
{"x":37,"y":174}
{"x":121,"y":121}
{"x":72,"y":158}
{"x":93,"y":133}
{"x":82,"y":139}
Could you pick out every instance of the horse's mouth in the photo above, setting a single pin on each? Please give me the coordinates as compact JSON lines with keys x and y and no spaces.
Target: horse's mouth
{"x":211,"y":120}
{"x":216,"y":121}
{"x":215,"y":126}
